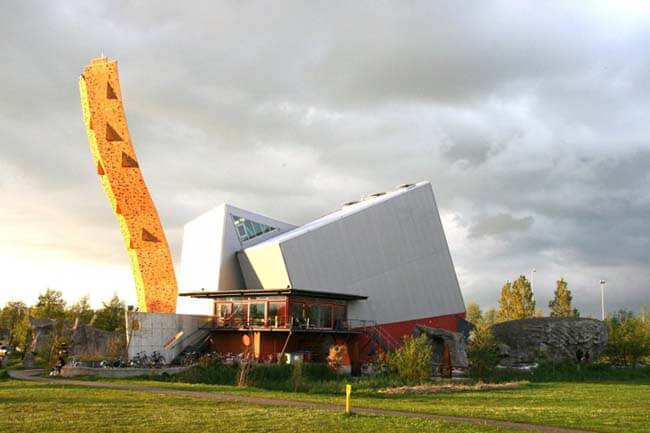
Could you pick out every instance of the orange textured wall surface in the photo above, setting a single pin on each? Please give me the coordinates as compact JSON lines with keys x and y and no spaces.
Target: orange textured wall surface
{"x":120,"y":175}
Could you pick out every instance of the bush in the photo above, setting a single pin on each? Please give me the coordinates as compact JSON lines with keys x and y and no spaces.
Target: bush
{"x":569,"y":371}
{"x":629,"y":339}
{"x":413,"y":360}
{"x":482,"y":350}
{"x":318,"y":372}
{"x":213,"y":374}
{"x":270,"y":376}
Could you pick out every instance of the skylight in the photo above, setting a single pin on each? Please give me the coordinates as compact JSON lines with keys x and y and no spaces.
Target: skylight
{"x":247,"y":229}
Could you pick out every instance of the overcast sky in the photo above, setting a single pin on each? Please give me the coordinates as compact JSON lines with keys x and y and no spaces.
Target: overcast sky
{"x":531,"y":120}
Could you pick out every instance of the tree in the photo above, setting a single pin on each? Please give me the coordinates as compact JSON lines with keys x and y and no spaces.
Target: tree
{"x":561,"y":304}
{"x":473,"y":312}
{"x":505,"y":303}
{"x":50,"y":305}
{"x":81,"y":310}
{"x":111,"y":316}
{"x":628,"y":338}
{"x":516,"y":301}
{"x":11,"y":317}
{"x":482,"y":349}
{"x":490,"y":316}
{"x":413,"y":359}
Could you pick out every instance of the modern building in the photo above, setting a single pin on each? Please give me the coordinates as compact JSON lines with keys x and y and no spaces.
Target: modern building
{"x":363,"y":276}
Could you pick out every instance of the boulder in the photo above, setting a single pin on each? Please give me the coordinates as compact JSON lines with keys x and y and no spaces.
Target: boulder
{"x":439,"y":338}
{"x":43,"y":332}
{"x":87,"y":342}
{"x":527,"y":341}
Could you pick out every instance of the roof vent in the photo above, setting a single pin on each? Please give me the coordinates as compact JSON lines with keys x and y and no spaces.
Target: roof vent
{"x":406,"y":186}
{"x":350,"y":203}
{"x":376,"y":194}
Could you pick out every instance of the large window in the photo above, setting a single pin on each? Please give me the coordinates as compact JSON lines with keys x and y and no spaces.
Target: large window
{"x":277,"y":314}
{"x":339,"y":317}
{"x":223,"y":311}
{"x":256,"y":313}
{"x":247,"y":229}
{"x":238,"y":313}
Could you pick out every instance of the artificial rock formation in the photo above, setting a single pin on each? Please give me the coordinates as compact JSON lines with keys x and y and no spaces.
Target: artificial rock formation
{"x":528,"y":341}
{"x":454,"y":342}
{"x":87,"y":342}
{"x":120,"y":175}
{"x":43,"y":331}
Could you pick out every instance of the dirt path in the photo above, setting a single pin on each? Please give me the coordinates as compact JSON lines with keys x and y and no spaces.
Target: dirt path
{"x":34,"y":375}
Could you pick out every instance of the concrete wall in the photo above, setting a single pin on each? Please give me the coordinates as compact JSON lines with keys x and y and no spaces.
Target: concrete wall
{"x":149,"y":332}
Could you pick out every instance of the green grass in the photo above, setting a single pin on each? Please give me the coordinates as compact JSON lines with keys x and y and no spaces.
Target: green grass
{"x":31,"y":407}
{"x":603,"y":407}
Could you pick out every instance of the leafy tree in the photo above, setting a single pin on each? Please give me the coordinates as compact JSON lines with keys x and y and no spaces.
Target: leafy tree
{"x":11,"y":317}
{"x":505,"y":303}
{"x":111,"y":316}
{"x":81,"y":310}
{"x":482,"y":349}
{"x":516,"y":301}
{"x":490,"y":316}
{"x":628,"y":339}
{"x":50,"y":305}
{"x":561,"y":304}
{"x":412,"y":361}
{"x":473,"y":312}
{"x":21,"y":336}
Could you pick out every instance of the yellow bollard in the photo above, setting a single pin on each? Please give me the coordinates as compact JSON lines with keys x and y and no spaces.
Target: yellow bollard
{"x":348,"y":393}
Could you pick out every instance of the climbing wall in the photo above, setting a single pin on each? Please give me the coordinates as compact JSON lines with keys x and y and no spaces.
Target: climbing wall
{"x":120,"y":175}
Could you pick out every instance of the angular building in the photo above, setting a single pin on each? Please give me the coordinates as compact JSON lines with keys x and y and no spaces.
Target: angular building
{"x":365,"y":275}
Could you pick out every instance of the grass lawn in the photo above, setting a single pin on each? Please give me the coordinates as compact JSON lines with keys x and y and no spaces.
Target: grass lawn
{"x":605,"y":407}
{"x":32,"y":407}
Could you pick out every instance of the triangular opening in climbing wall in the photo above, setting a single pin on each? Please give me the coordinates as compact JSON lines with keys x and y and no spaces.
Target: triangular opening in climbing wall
{"x":100,"y":169}
{"x":110,"y":93}
{"x":111,"y":134}
{"x":127,"y":161}
{"x":147,"y":236}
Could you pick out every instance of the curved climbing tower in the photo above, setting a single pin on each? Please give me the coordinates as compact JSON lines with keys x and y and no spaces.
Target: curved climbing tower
{"x":119,"y":172}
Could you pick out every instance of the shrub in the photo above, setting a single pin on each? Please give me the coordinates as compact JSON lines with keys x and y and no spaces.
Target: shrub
{"x":270,"y":376}
{"x":318,"y":372}
{"x":629,"y":339}
{"x":482,"y":350}
{"x":213,"y":374}
{"x":413,"y":360}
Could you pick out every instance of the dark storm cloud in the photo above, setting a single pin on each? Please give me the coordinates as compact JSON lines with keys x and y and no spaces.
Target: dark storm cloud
{"x":530,"y":120}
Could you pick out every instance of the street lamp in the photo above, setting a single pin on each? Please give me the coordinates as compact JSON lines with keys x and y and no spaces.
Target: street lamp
{"x":532,"y":289}
{"x":602,"y":299}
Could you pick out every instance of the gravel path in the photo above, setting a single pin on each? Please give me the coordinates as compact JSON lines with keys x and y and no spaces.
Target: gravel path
{"x":35,"y":375}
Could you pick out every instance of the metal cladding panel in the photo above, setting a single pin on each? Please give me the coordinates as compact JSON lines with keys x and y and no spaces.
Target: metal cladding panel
{"x":393,"y":251}
{"x":209,"y":256}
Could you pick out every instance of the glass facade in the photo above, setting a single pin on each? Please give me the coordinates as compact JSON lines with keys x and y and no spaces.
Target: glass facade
{"x":247,"y":229}
{"x":280,"y":312}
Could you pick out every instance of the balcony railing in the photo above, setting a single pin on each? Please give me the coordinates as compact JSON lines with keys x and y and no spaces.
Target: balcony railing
{"x":279,"y":322}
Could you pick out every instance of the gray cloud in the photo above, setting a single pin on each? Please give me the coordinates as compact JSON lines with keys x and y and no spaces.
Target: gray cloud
{"x":530,"y":120}
{"x":499,"y":225}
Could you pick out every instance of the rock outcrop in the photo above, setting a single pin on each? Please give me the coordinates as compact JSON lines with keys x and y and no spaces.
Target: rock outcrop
{"x":84,"y":341}
{"x":87,"y":342}
{"x":438,"y":338}
{"x":527,"y":341}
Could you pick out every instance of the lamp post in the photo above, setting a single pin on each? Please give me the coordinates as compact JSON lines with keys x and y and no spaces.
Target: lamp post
{"x":602,"y":299}
{"x":532,"y":274}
